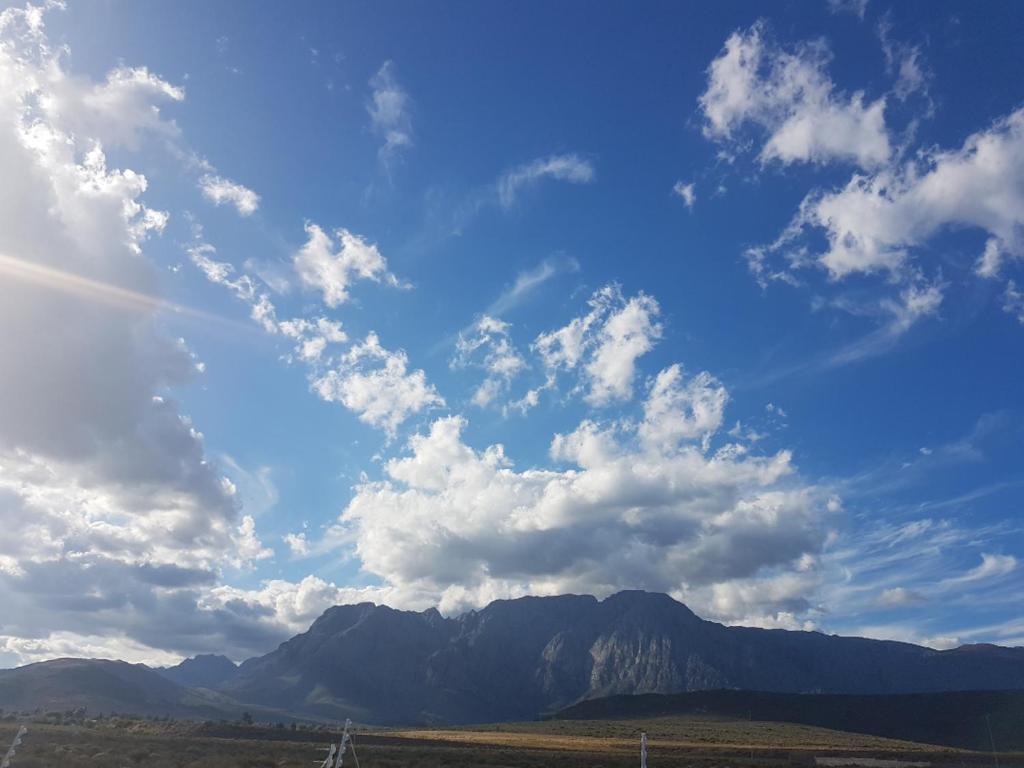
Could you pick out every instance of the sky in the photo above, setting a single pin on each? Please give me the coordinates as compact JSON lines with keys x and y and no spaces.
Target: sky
{"x":432,"y":304}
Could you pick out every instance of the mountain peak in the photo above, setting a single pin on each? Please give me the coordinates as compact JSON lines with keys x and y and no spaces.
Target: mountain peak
{"x":206,"y":670}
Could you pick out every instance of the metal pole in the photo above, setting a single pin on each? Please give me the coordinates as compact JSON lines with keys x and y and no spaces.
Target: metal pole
{"x":643,"y":749}
{"x":14,"y":745}
{"x":329,"y":762}
{"x":344,"y":743}
{"x":991,"y":740}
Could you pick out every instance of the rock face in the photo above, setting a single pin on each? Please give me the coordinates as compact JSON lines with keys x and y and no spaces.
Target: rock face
{"x":516,"y":659}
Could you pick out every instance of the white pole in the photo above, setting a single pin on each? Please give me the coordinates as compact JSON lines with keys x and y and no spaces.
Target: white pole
{"x":329,"y":762}
{"x":643,"y":749}
{"x":344,"y":743}
{"x":14,"y":745}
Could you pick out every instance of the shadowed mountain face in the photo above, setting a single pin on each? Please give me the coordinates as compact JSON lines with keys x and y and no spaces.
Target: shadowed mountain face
{"x":202,"y":671}
{"x":515,"y":659}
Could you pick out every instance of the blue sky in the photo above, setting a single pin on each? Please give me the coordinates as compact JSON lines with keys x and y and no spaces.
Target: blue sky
{"x":432,"y":304}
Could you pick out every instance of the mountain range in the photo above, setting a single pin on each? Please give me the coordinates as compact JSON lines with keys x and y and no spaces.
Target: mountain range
{"x":518,"y":659}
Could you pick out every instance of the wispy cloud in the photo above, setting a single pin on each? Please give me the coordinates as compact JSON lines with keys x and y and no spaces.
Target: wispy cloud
{"x":571,"y":168}
{"x":389,"y":115}
{"x":530,"y":280}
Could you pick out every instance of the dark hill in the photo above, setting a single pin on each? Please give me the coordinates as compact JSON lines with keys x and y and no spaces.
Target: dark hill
{"x":515,"y":659}
{"x":203,"y":671}
{"x":954,"y":719}
{"x":100,"y":686}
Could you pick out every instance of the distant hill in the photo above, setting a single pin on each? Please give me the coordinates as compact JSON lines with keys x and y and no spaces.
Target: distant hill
{"x":953,"y":719}
{"x":202,"y":671}
{"x":102,"y":686}
{"x":515,"y":659}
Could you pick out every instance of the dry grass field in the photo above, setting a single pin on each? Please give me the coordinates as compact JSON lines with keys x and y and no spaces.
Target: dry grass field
{"x":674,"y":741}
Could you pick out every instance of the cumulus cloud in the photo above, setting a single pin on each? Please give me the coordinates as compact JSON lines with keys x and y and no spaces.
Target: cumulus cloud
{"x":604,"y":344}
{"x":884,"y":223}
{"x":105,"y":481}
{"x":570,"y":168}
{"x":297,"y":543}
{"x":389,"y":114}
{"x":376,"y":384}
{"x":489,"y":346}
{"x":219,"y":191}
{"x":674,"y":411}
{"x":117,"y":112}
{"x":641,"y":504}
{"x":875,"y":223}
{"x":789,"y":95}
{"x":331,"y":270}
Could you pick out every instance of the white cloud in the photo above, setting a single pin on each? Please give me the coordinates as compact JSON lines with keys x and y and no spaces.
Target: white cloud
{"x":906,"y":62}
{"x":368,"y":379}
{"x":297,"y":543}
{"x":248,"y":543}
{"x":789,"y":95}
{"x":290,"y":607}
{"x":639,"y":505}
{"x":605,"y":343}
{"x":991,"y":567}
{"x":312,"y":336}
{"x":321,"y":267}
{"x":876,"y":221}
{"x":915,"y":302}
{"x":1013,"y":301}
{"x":489,"y":347}
{"x":895,"y":597}
{"x":686,"y":192}
{"x":117,"y":112}
{"x":571,"y":168}
{"x":376,"y":384}
{"x":883,"y":223}
{"x":108,"y":487}
{"x":219,"y":190}
{"x":389,"y":114}
{"x":530,"y":280}
{"x":674,"y":412}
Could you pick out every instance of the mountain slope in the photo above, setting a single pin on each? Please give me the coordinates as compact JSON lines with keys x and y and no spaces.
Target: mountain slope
{"x":100,"y":686}
{"x":517,"y":658}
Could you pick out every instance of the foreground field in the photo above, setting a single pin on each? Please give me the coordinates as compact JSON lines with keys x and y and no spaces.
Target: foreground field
{"x":667,"y":734}
{"x":674,"y":741}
